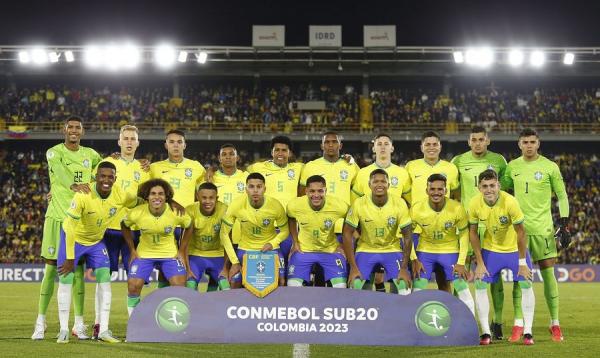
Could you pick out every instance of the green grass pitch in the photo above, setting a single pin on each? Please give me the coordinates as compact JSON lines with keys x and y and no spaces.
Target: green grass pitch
{"x":579,"y":316}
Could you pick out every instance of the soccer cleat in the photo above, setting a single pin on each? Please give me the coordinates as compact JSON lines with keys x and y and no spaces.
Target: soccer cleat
{"x":496,"y":329}
{"x":556,"y":333}
{"x":485,"y":340}
{"x":528,"y":339}
{"x":107,"y":337}
{"x":96,"y":331}
{"x":63,"y":337}
{"x":517,"y":333}
{"x":80,"y":331}
{"x":38,"y":331}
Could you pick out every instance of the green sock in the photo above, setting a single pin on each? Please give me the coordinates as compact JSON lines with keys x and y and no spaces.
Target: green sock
{"x":497,"y":290}
{"x":163,"y":284}
{"x":516,"y":293}
{"x":132,"y":301}
{"x":191,"y":284}
{"x":78,"y":291}
{"x":551,"y":291}
{"x":47,"y":288}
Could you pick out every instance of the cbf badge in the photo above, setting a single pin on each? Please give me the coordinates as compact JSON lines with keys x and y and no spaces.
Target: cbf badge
{"x":260,"y":272}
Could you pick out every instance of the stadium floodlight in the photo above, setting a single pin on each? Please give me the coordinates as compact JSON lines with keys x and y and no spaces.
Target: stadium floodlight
{"x":480,"y":57}
{"x":69,"y":56}
{"x":569,"y":58}
{"x":458,"y":57}
{"x":24,"y":57}
{"x":94,"y":56}
{"x":516,"y":57}
{"x":202,"y":57}
{"x":39,"y":56}
{"x":165,"y":56}
{"x":53,"y":56}
{"x":126,"y":56}
{"x":537,"y":58}
{"x":182,"y":56}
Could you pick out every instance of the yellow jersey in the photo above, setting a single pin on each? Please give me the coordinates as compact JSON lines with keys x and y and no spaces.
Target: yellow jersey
{"x":281,"y":182}
{"x":398,"y":179}
{"x":184,"y":177}
{"x":206,"y":238}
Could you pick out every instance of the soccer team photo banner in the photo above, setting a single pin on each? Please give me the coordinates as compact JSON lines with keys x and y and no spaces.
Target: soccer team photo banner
{"x":315,"y":315}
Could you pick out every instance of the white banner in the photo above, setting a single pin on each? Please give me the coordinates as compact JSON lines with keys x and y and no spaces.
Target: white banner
{"x":325,"y":36}
{"x":268,"y":36}
{"x":379,"y":36}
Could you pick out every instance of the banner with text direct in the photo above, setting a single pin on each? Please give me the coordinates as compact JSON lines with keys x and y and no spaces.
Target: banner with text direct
{"x":315,"y":315}
{"x":379,"y":36}
{"x":325,"y":36}
{"x":268,"y":36}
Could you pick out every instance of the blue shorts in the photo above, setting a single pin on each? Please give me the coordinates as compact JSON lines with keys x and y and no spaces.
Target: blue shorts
{"x":116,"y":246}
{"x":285,"y":247}
{"x":369,"y":262}
{"x":211,"y":265}
{"x":96,"y":255}
{"x":240,"y":255}
{"x":496,"y":261}
{"x":301,"y":263}
{"x":434,"y":262}
{"x":142,"y":268}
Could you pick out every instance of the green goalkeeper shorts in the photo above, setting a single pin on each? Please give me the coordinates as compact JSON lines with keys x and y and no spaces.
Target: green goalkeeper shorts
{"x":541,"y":247}
{"x":51,"y":239}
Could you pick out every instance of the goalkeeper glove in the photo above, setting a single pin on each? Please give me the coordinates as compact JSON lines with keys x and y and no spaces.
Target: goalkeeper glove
{"x":562,"y":234}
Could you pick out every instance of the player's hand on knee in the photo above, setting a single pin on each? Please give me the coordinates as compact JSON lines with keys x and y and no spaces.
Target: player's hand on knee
{"x":404,"y":275}
{"x":353,"y":275}
{"x":191,"y":275}
{"x":66,"y":268}
{"x":525,"y":272}
{"x":234,"y":270}
{"x":267,"y":247}
{"x":481,"y":271}
{"x":461,"y":272}
{"x":417,"y":268}
{"x":132,"y":256}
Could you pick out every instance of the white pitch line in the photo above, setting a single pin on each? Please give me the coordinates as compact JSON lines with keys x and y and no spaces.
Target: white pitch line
{"x":301,"y":350}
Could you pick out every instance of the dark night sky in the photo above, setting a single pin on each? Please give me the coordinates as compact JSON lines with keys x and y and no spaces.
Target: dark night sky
{"x":223,"y":22}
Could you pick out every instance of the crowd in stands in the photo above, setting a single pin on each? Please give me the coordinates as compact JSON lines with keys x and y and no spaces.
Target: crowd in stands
{"x":24,"y":183}
{"x":274,"y":108}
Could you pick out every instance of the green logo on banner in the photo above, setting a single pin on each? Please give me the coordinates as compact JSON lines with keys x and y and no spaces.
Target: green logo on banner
{"x":173,"y":315}
{"x":433,"y":318}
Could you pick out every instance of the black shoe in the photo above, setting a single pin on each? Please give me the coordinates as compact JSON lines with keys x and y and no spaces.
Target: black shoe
{"x":496,"y":329}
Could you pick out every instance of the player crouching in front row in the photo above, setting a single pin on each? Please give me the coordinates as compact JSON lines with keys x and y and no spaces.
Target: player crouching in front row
{"x":503,"y":245}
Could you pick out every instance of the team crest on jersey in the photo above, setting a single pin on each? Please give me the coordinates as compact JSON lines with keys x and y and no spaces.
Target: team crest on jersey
{"x":394,"y":181}
{"x":168,"y":229}
{"x":344,"y":174}
{"x":266,"y":222}
{"x":86,"y":163}
{"x":391,"y":221}
{"x":291,"y":173}
{"x":188,"y":172}
{"x":538,"y":176}
{"x":50,"y":154}
{"x":504,"y":219}
{"x":216,"y":227}
{"x":112,"y":212}
{"x":291,"y":269}
{"x":447,"y":225}
{"x":73,"y":204}
{"x":137,"y":176}
{"x":240,"y":186}
{"x":328,"y":224}
{"x":51,"y":250}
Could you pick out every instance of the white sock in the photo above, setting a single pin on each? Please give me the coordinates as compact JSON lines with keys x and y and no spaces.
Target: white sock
{"x":554,"y":322}
{"x":465,"y":296}
{"x":483,"y":309}
{"x":41,"y":319}
{"x":129,"y":310}
{"x":404,"y":292}
{"x":519,"y":322}
{"x":417,"y":289}
{"x":78,"y":321}
{"x":339,"y":285}
{"x":64,"y":304}
{"x":528,"y":303}
{"x":96,"y":305}
{"x":294,"y":283}
{"x":105,"y":301}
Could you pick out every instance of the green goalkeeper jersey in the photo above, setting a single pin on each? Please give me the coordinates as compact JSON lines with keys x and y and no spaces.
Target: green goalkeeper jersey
{"x":65,"y":168}
{"x":469,"y":168}
{"x":533,"y":183}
